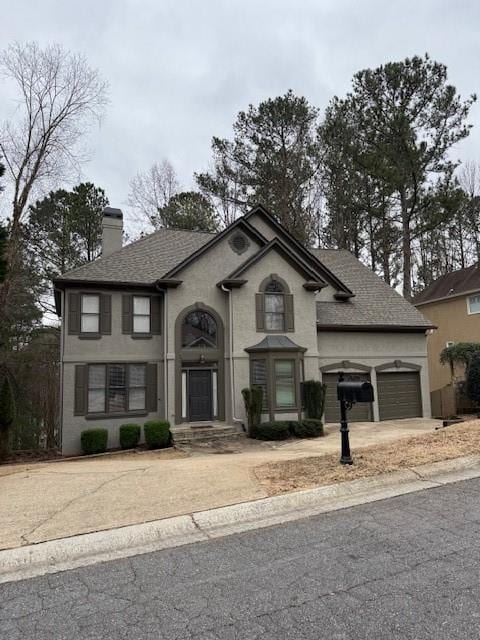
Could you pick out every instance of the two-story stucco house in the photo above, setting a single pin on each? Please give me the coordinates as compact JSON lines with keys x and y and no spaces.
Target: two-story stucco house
{"x":176,"y":324}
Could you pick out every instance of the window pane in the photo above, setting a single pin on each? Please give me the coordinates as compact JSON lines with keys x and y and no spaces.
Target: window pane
{"x":136,"y":399}
{"x":90,"y":304}
{"x":137,"y":375}
{"x":259,"y":378}
{"x":284,"y":368}
{"x":116,"y":375}
{"x":274,"y":303}
{"x":284,"y":383}
{"x":274,"y":321}
{"x":274,"y":286}
{"x":474,"y":302}
{"x":96,"y":376}
{"x":90,"y":324}
{"x":96,"y":401}
{"x":116,"y":399}
{"x":141,"y":305}
{"x":199,"y":330}
{"x":141,"y":324}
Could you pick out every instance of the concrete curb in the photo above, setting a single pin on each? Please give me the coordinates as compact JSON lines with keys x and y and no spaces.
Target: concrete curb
{"x":86,"y":549}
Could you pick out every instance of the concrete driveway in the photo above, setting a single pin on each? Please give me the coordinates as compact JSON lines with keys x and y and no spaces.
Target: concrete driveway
{"x":44,"y":501}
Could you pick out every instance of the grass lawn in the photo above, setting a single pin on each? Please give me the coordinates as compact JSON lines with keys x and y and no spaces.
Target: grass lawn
{"x":305,"y":473}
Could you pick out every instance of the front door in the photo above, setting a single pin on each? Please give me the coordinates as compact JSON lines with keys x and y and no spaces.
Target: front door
{"x":200,"y":394}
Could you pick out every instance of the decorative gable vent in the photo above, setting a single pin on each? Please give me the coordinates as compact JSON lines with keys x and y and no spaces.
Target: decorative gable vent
{"x":239,"y":242}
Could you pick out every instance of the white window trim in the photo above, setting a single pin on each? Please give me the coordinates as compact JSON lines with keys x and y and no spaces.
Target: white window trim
{"x":473,"y":295}
{"x":142,"y":315}
{"x":89,"y":314}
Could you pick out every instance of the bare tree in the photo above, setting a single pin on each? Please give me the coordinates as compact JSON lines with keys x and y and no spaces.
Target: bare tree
{"x":59,"y":98}
{"x":151,"y":190}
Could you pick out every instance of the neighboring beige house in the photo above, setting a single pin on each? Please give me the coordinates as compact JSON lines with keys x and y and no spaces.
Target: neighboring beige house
{"x":452,"y":304}
{"x":176,"y":324}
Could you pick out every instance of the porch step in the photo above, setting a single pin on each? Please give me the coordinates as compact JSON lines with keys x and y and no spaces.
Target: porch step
{"x":205,"y":433}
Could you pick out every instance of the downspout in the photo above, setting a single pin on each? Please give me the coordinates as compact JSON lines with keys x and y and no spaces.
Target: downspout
{"x":230,"y":330}
{"x":165,"y":352}
{"x":62,"y":366}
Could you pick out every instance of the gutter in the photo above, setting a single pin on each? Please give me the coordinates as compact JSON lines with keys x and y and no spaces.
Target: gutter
{"x":386,"y":328}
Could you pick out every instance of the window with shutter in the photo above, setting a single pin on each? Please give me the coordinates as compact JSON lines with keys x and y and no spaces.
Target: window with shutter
{"x":112,"y":389}
{"x":259,"y":379}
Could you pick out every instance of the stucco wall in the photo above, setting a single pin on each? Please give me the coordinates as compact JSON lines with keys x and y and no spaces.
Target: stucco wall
{"x":374,"y":349}
{"x":116,"y":347}
{"x":454,"y":324}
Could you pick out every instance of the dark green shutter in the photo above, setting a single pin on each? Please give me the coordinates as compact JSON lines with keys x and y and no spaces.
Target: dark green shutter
{"x":73,"y":313}
{"x":80,"y":403}
{"x":156,"y":315}
{"x":105,"y":314}
{"x":152,"y":391}
{"x":127,"y":313}
{"x":289,"y":317}
{"x":260,"y":311}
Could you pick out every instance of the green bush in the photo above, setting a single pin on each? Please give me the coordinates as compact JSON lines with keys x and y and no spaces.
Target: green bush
{"x":314,"y":398}
{"x":129,"y":435}
{"x":275,"y":430}
{"x":473,"y":379}
{"x":94,"y":440}
{"x":307,"y":428}
{"x":157,"y":434}
{"x":253,"y":399}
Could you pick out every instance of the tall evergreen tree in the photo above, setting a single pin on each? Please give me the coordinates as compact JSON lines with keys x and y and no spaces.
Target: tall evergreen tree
{"x":189,"y":210}
{"x":274,"y":159}
{"x":406,"y":119}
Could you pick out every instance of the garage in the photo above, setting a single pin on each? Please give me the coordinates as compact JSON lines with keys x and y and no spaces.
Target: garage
{"x":399,"y":395}
{"x":358,"y":413}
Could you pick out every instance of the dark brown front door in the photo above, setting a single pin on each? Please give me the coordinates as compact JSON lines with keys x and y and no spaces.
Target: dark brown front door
{"x":200,"y":394}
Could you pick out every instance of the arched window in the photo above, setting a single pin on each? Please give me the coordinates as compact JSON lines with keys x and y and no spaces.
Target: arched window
{"x":199,"y":329}
{"x":274,"y":306}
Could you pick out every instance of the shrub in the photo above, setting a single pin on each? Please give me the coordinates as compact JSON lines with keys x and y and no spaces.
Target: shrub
{"x":129,"y":435}
{"x":7,"y":416}
{"x":307,"y":428}
{"x":314,"y":398}
{"x":253,"y":399}
{"x":157,"y":434}
{"x":473,"y":379}
{"x":275,"y":430}
{"x":94,"y":440}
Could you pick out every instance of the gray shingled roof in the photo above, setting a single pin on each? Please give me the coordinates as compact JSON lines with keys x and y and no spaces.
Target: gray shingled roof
{"x":151,"y":257}
{"x":451,"y":284}
{"x":143,"y":261}
{"x":375,"y":303}
{"x":276,"y":342}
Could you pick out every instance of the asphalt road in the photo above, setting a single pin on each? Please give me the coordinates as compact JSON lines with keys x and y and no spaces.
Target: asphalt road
{"x":407,"y":567}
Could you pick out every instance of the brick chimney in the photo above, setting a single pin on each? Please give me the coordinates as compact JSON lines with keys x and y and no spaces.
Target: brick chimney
{"x":112,"y":230}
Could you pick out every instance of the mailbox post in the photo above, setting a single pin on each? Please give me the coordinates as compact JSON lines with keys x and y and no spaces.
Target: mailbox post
{"x":346,"y":457}
{"x":348,"y":393}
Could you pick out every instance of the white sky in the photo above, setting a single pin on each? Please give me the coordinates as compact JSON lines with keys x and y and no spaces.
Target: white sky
{"x":179,"y":71}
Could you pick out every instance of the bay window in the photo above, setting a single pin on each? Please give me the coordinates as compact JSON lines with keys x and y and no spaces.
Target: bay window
{"x":284,"y":380}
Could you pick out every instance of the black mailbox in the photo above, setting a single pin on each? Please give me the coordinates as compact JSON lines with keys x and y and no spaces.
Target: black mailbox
{"x":354,"y":391}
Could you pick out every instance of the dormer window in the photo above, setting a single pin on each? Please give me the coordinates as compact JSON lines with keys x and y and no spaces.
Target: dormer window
{"x":274,"y":306}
